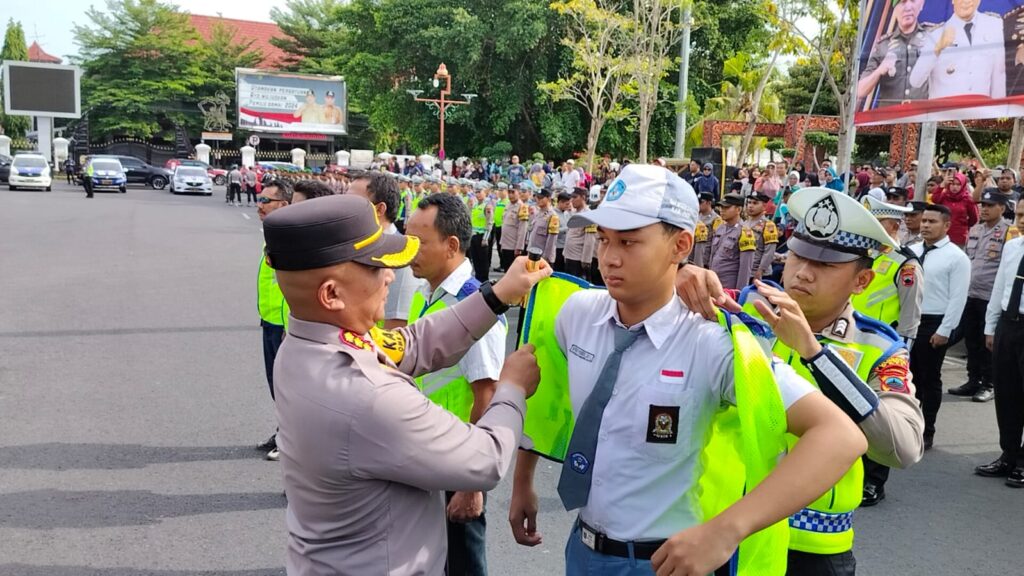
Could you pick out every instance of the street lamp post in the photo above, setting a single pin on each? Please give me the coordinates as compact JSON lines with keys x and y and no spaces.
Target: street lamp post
{"x":442,"y":103}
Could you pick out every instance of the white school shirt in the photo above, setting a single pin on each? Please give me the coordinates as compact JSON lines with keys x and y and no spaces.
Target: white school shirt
{"x":643,"y":490}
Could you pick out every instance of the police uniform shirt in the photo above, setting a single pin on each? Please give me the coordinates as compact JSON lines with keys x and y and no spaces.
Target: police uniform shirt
{"x":545,"y":233}
{"x":642,"y":486}
{"x":732,"y":254}
{"x":973,"y":64}
{"x":707,"y":225}
{"x":947,"y":276}
{"x":485,"y":358}
{"x":401,"y":290}
{"x":985,"y":249}
{"x":563,"y":228}
{"x":906,"y":47}
{"x":513,"y":225}
{"x":365,"y":456}
{"x":1002,"y":288}
{"x":580,"y":243}
{"x":766,"y":238}
{"x":910,"y":289}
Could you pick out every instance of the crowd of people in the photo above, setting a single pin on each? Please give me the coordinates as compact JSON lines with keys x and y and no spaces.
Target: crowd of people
{"x":858,"y":292}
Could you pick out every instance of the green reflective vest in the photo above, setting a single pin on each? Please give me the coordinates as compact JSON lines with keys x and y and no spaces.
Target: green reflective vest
{"x":269,"y":300}
{"x":826,"y":525}
{"x":881,"y":299}
{"x":479,"y":217}
{"x":499,"y":212}
{"x":742,"y":448}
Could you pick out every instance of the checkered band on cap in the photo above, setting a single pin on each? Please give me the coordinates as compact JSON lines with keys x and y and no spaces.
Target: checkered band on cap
{"x":821,"y":522}
{"x":843,"y":240}
{"x":882,"y":213}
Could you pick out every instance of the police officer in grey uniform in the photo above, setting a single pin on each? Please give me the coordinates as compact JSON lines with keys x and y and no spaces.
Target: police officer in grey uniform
{"x":766,"y":237}
{"x":908,"y":278}
{"x":708,"y":222}
{"x":733,"y":246}
{"x":365,"y":455}
{"x":544,"y":232}
{"x":985,"y":249}
{"x":893,"y":58}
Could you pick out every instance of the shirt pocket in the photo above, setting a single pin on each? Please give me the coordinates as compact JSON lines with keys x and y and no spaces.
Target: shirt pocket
{"x":663,"y":421}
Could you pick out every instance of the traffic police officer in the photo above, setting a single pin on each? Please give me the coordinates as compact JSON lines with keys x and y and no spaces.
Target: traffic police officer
{"x":544,"y":233}
{"x":708,"y":222}
{"x":733,"y":245}
{"x":514,"y":222}
{"x":481,"y":210}
{"x":985,"y":249}
{"x":377,"y":478}
{"x":893,"y":59}
{"x":500,"y":204}
{"x":766,"y":236}
{"x":863,"y":366}
{"x":912,"y":223}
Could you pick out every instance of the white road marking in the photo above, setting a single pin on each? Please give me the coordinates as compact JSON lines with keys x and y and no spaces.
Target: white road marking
{"x":246,"y":216}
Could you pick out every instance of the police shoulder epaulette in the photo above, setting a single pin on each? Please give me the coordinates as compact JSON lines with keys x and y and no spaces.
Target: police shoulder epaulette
{"x":877,"y":327}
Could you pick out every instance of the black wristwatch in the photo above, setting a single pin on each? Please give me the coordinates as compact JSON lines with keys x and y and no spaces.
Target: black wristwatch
{"x":493,"y":302}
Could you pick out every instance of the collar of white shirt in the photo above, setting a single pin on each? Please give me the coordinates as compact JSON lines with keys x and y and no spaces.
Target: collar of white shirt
{"x":659,"y":326}
{"x":939,"y":244}
{"x":453,"y":283}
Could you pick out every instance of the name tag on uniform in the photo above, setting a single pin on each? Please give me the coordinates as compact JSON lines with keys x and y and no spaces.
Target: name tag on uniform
{"x":662,"y":424}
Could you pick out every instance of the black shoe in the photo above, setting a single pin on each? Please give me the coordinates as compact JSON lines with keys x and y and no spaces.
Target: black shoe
{"x":985,"y":394}
{"x":269,"y":445}
{"x":274,"y":455}
{"x":997,"y":469}
{"x":1016,"y":478}
{"x":872,"y":495}
{"x":928,"y":441}
{"x":966,"y":389}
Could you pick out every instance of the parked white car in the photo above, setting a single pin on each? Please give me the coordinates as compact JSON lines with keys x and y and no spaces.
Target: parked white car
{"x":30,"y":171}
{"x":191,"y":180}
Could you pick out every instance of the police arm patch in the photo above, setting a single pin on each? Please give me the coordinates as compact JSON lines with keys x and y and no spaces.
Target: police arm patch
{"x":747,"y":240}
{"x":771,"y":233}
{"x":893,"y":373}
{"x":391,"y":342}
{"x":553,"y":224}
{"x":907,"y":273}
{"x":700,"y":233}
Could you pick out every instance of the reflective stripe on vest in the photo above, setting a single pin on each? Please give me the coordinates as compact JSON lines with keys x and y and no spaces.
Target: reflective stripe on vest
{"x":881,"y":300}
{"x":269,"y":300}
{"x":743,"y":445}
{"x":826,"y":525}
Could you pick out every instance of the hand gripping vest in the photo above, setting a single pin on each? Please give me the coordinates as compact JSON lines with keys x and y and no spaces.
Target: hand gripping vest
{"x":742,"y":448}
{"x":826,"y":525}
{"x":881,"y":299}
{"x":448,"y":388}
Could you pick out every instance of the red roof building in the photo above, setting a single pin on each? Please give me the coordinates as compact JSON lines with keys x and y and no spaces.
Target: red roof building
{"x":37,"y":54}
{"x":259,"y":33}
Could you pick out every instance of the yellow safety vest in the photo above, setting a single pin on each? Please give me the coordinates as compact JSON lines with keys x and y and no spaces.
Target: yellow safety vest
{"x":270,"y":301}
{"x":742,"y":448}
{"x":881,"y":299}
{"x":479,"y":218}
{"x":826,"y":525}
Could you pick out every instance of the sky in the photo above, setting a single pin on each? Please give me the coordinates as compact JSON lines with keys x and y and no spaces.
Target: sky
{"x":50,"y":21}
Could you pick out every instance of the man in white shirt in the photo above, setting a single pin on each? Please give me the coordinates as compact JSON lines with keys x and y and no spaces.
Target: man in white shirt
{"x":1004,"y":336}
{"x":638,"y":506}
{"x":947,"y":277}
{"x":382,"y":192}
{"x":442,"y":223}
{"x":965,"y":56}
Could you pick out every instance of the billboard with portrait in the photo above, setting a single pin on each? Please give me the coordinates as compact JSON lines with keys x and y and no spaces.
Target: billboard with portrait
{"x":295,"y":103}
{"x":939,"y":60}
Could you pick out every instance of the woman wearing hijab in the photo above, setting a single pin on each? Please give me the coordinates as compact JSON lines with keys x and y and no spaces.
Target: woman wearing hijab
{"x":832,"y":182}
{"x":964,"y":212}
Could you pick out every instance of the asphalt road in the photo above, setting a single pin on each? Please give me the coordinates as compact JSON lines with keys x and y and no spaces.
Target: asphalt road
{"x":132,"y":394}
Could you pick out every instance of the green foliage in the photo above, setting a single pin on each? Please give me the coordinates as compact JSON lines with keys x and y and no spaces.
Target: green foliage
{"x":787,"y":153}
{"x":774,"y":145}
{"x":823,"y":141}
{"x":14,"y":49}
{"x":797,"y":90}
{"x":721,"y":29}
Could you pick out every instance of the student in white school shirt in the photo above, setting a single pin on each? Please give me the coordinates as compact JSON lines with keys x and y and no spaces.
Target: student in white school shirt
{"x":641,"y":494}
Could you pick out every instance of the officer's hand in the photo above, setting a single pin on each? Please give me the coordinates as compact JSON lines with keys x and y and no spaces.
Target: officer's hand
{"x":517,"y":282}
{"x":696,"y":551}
{"x":989,"y":342}
{"x":522,"y":516}
{"x":789,"y":324}
{"x":938,"y":341}
{"x":947,"y":40}
{"x":700,"y":291}
{"x":888,"y":65}
{"x":521,"y":370}
{"x":465,"y":506}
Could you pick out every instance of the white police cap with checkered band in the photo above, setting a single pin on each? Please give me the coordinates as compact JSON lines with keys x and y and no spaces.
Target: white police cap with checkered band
{"x":832,"y":227}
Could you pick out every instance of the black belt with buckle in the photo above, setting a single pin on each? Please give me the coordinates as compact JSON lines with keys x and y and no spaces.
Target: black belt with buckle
{"x":602,"y":544}
{"x":1011,"y":316}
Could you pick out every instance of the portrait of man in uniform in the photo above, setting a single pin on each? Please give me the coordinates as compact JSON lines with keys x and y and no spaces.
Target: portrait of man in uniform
{"x":893,"y":58}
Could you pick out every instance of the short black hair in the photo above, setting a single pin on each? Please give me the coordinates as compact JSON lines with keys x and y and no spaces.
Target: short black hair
{"x":452,"y":218}
{"x":283,"y":186}
{"x":313,"y":189}
{"x":946,"y":214}
{"x":669,"y":229}
{"x":864,"y":263}
{"x":382,"y":189}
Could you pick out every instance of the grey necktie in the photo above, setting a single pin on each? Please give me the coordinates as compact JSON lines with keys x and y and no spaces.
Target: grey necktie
{"x":967,"y":30}
{"x":577,"y":469}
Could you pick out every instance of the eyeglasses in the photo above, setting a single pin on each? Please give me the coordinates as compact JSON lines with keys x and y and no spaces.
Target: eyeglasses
{"x":266,"y":200}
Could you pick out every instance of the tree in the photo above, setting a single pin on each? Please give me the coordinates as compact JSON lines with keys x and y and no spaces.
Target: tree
{"x":141,"y":60}
{"x":596,"y":39}
{"x":722,"y":29}
{"x":797,"y":90}
{"x":220,"y":54}
{"x":14,"y":49}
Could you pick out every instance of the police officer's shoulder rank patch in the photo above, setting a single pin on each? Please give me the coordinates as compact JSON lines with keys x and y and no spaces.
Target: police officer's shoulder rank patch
{"x":592,"y":229}
{"x":524,"y":212}
{"x":553,"y":224}
{"x":391,"y":342}
{"x":1012,"y":232}
{"x":353,"y":340}
{"x":747,"y":240}
{"x":717,"y":222}
{"x":771,"y":233}
{"x":892,"y":373}
{"x":700,"y":232}
{"x":907,"y":274}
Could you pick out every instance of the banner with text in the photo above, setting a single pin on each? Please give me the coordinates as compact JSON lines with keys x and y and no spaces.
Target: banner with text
{"x":939,"y":60}
{"x":295,"y":103}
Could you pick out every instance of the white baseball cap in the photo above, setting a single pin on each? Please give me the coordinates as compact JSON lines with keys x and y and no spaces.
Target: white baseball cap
{"x":643,"y":194}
